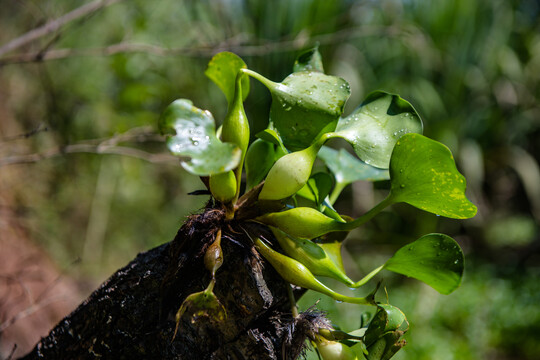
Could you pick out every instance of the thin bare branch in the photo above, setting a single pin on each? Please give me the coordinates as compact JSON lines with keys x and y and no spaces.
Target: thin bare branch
{"x":54,"y":25}
{"x":101,"y":146}
{"x":40,"y":128}
{"x":201,"y":51}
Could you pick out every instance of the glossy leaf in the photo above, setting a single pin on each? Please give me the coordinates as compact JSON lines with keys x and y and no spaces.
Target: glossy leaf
{"x":424,"y":175}
{"x":192,"y":133}
{"x":223,"y":69}
{"x":309,"y":60}
{"x":375,"y":126}
{"x":435,"y":259}
{"x":259,"y":160}
{"x":305,"y":106}
{"x":348,"y":169}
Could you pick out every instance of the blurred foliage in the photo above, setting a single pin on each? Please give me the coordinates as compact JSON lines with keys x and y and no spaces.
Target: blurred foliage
{"x":471,"y":68}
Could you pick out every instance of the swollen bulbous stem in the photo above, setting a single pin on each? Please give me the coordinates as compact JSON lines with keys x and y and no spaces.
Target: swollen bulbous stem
{"x":223,"y":186}
{"x":235,"y":128}
{"x":213,"y":258}
{"x":296,"y":273}
{"x":290,"y":173}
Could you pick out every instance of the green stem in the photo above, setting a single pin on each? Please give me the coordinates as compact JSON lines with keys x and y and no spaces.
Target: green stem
{"x":210,"y":287}
{"x":336,"y":192}
{"x":294,"y":308}
{"x":370,"y":214}
{"x":368,"y":277}
{"x":266,"y":82}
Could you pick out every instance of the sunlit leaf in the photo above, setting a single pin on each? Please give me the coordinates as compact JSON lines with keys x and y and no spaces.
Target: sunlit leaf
{"x":192,"y":133}
{"x":375,"y":126}
{"x":309,"y":60}
{"x":435,"y":259}
{"x":223,"y":69}
{"x":259,"y":160}
{"x":305,"y":106}
{"x":423,"y":174}
{"x":348,"y":169}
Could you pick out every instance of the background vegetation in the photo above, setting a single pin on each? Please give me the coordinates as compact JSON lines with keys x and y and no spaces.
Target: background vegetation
{"x":471,"y":68}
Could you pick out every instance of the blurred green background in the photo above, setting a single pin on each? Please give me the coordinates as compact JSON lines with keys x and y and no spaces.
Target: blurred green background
{"x":471,"y":69}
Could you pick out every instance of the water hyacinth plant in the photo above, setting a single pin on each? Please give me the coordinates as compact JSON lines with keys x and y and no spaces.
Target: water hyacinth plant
{"x":304,"y":242}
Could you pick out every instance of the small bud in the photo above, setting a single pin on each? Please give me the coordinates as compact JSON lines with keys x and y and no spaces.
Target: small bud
{"x":333,"y":350}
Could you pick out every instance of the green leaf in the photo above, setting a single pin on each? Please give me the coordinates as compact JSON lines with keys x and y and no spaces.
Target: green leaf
{"x":375,"y":126}
{"x":331,"y":244}
{"x":305,"y":106}
{"x":192,"y":133}
{"x":435,"y":259}
{"x":317,"y":188}
{"x":309,"y":60}
{"x":348,"y":169}
{"x":259,"y":160}
{"x":223,"y":69}
{"x":271,"y":136}
{"x":423,"y":174}
{"x":312,"y":256}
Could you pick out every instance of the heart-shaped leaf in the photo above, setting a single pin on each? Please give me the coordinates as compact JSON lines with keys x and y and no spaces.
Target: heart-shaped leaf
{"x":223,"y":69}
{"x":192,"y":133}
{"x":423,"y":174}
{"x":375,"y":126}
{"x":309,"y":60}
{"x":348,"y":169}
{"x":435,"y":259}
{"x":305,"y":105}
